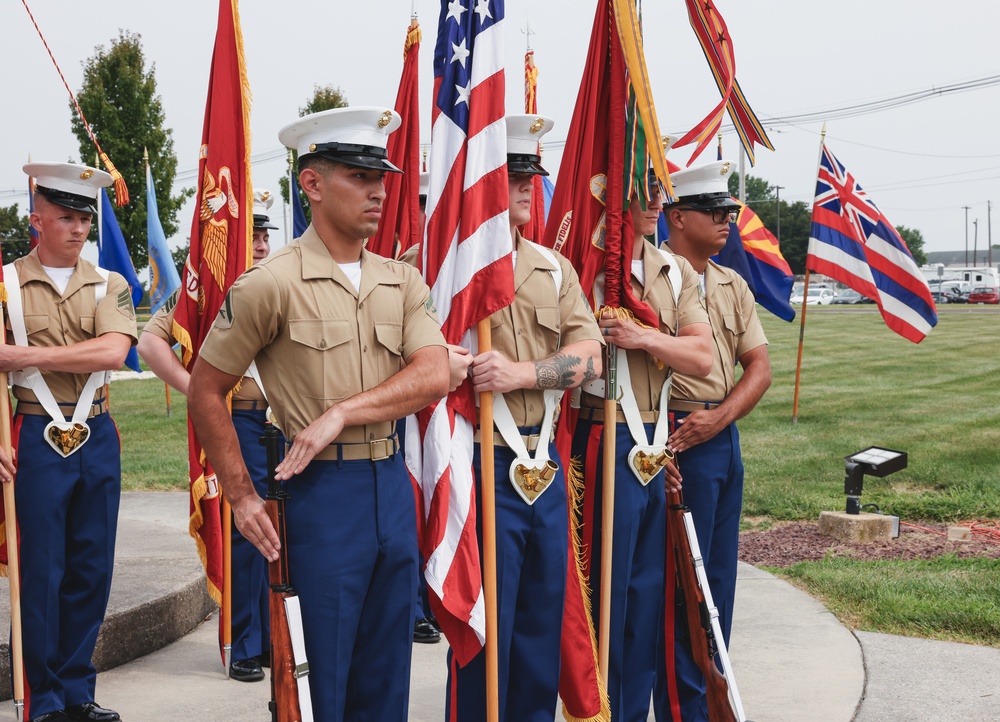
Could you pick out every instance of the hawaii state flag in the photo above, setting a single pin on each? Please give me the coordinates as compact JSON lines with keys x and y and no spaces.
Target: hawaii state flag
{"x":400,"y":225}
{"x":221,"y":249}
{"x":853,"y":242}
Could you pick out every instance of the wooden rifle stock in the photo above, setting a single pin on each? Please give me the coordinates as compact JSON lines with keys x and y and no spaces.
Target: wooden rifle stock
{"x":284,"y":704}
{"x":705,"y":644}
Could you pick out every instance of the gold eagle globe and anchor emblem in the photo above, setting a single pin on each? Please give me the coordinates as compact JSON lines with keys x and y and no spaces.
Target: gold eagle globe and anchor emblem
{"x":530,"y":481}
{"x":216,"y":198}
{"x":66,"y":437}
{"x":648,"y":461}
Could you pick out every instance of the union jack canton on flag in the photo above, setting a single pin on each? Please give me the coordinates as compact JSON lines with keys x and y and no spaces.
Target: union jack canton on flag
{"x":854,"y":243}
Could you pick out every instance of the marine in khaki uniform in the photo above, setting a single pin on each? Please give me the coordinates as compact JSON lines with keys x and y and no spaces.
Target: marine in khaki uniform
{"x":545,"y":342}
{"x":69,"y":323}
{"x":705,"y":411}
{"x":331,"y":326}
{"x":251,"y":645}
{"x":646,"y":358}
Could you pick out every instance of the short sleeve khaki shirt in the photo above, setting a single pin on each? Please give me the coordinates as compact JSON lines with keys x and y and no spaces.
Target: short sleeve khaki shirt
{"x":54,"y":319}
{"x":736,"y":329}
{"x":646,"y":372}
{"x":540,"y":322}
{"x":316,"y":339}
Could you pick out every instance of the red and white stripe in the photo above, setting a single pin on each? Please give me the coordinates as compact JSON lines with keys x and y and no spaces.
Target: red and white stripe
{"x":466,"y":257}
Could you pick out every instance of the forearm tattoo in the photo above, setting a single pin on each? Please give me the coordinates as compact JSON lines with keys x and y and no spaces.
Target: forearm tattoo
{"x":589,"y":374}
{"x":557,"y":372}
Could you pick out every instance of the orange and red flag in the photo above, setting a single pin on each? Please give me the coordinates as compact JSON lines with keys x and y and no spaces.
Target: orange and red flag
{"x":221,"y":249}
{"x":400,"y":226}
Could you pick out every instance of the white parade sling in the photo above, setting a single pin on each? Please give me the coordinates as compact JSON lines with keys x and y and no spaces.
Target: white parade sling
{"x":65,"y":437}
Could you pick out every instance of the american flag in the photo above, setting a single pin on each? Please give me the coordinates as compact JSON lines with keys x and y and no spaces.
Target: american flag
{"x":466,"y":257}
{"x":854,"y":243}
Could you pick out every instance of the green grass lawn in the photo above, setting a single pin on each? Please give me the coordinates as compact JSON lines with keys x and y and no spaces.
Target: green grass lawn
{"x":862,"y":385}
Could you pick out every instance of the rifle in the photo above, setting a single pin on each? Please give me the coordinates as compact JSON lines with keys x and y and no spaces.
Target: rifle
{"x":707,"y":644}
{"x":290,"y":700}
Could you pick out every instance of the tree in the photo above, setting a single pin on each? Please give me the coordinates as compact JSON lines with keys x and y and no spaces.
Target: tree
{"x":15,"y":239}
{"x":757,"y":189}
{"x":119,"y":100}
{"x":325,"y":97}
{"x":914,"y":240}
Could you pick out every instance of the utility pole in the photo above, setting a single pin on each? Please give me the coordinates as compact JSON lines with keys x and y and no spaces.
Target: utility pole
{"x":966,"y":234}
{"x":975,"y":240}
{"x":989,"y":236}
{"x":777,"y":211}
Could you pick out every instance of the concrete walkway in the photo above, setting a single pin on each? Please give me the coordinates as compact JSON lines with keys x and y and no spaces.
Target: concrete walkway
{"x":793,"y":661}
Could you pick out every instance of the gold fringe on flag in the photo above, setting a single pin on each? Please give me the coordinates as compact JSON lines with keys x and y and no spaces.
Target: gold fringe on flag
{"x":413,"y":37}
{"x":574,"y":497}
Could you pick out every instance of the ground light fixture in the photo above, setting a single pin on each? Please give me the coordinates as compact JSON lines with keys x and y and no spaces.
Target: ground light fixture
{"x":873,"y":461}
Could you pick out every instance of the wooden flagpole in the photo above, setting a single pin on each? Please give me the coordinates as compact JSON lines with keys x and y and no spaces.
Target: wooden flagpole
{"x":805,"y":296}
{"x":166,"y":388}
{"x":13,"y":562}
{"x":227,"y":582}
{"x":489,"y":522}
{"x":798,"y":363}
{"x":608,"y":505}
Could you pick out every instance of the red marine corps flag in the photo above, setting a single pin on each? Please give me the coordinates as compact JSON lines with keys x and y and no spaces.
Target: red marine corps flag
{"x":221,"y":249}
{"x":400,"y":226}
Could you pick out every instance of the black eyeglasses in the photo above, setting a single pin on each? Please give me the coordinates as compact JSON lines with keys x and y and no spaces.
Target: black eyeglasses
{"x":719,"y":215}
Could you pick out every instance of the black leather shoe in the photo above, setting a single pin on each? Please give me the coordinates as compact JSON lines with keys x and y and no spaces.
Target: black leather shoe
{"x":91,"y":712}
{"x":246,"y":670}
{"x":264,"y":659}
{"x":52,"y":717}
{"x":425,"y":633}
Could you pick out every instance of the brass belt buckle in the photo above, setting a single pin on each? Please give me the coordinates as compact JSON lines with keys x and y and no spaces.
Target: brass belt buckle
{"x":66,"y":437}
{"x":386,"y":449}
{"x":647,"y":461}
{"x":530,"y":479}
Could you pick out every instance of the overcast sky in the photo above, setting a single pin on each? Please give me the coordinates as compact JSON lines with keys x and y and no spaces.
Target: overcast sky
{"x":920,"y":163}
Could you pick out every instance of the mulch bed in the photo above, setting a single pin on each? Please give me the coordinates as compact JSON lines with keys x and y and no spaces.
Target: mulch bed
{"x":786,"y":544}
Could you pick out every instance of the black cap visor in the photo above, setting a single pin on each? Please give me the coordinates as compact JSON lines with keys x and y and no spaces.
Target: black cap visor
{"x":524,"y":163}
{"x":68,"y":200}
{"x":708,"y":201}
{"x":372,"y":157}
{"x":261,"y":221}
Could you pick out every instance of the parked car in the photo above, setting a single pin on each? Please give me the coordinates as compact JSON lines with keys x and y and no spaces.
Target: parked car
{"x":948,"y":295}
{"x":817,"y":297}
{"x":984,"y":294}
{"x":849,"y":295}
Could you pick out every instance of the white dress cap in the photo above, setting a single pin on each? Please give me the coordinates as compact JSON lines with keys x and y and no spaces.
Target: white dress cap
{"x":262,"y":202}
{"x":355,"y":136}
{"x":524,"y":133}
{"x":705,"y":186}
{"x":68,"y":184}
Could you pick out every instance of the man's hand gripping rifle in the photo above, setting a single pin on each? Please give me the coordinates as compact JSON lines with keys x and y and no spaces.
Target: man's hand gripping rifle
{"x":290,"y":700}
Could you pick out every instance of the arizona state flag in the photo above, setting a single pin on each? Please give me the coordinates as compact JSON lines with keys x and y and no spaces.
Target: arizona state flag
{"x":221,"y":249}
{"x":400,"y":225}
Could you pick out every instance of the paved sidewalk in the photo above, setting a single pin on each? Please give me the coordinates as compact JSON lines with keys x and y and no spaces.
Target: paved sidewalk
{"x":793,"y":661}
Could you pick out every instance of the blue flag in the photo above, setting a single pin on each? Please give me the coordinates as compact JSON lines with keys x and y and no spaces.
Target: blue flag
{"x":299,"y":223}
{"x":548,"y":189}
{"x":163,"y":278}
{"x":112,"y":255}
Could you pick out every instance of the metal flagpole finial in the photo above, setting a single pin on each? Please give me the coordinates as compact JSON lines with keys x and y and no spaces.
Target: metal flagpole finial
{"x":413,"y":10}
{"x":822,"y":133}
{"x":528,"y":32}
